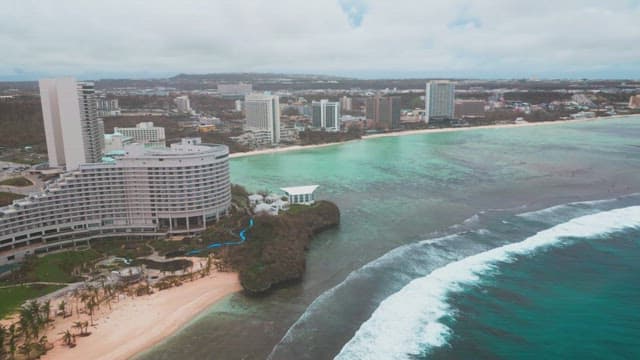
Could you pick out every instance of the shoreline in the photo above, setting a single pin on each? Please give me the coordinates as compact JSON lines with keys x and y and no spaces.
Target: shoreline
{"x":418,"y":132}
{"x":136,"y":324}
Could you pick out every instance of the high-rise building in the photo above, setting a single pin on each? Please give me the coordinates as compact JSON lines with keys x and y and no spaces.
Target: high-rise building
{"x":238,"y":105}
{"x":384,"y":111}
{"x":346,"y":103}
{"x":151,"y":192}
{"x":183,"y":104}
{"x":326,"y":115}
{"x":634,"y":102}
{"x":72,"y":128}
{"x":439,"y":100}
{"x":263,"y":116}
{"x":235,"y":89}
{"x":144,"y":133}
{"x":107,"y":107}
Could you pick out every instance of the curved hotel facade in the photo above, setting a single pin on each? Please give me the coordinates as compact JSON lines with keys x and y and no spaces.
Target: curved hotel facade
{"x":148,"y":192}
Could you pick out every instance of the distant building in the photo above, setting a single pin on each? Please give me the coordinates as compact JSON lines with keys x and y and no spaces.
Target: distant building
{"x":107,"y":107}
{"x":326,"y":115}
{"x":263,"y":117}
{"x":288,"y":134}
{"x":144,"y":133}
{"x":238,"y":105}
{"x":583,"y":115}
{"x":469,"y":109}
{"x":439,"y":100}
{"x":346,"y":103}
{"x":301,"y":194}
{"x":634,"y":102}
{"x":582,"y":100}
{"x":384,"y":111}
{"x":206,"y":128}
{"x":72,"y":128}
{"x":235,"y":90}
{"x":116,"y":142}
{"x":183,"y":104}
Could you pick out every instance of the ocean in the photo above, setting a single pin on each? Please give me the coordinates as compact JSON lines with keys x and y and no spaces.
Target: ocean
{"x":514,"y":243}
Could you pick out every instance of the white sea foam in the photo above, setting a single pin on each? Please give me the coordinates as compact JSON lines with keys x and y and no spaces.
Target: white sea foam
{"x":409,"y":322}
{"x":317,"y":305}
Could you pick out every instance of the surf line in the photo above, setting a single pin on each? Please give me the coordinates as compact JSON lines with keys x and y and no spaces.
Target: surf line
{"x":409,"y":321}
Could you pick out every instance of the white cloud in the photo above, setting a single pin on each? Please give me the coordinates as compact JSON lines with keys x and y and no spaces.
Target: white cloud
{"x":348,"y":37}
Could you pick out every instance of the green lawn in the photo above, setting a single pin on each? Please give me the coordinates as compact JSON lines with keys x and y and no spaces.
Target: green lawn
{"x":6,"y":198}
{"x":129,"y":249}
{"x":17,"y":181}
{"x":11,"y":298}
{"x":58,"y":267}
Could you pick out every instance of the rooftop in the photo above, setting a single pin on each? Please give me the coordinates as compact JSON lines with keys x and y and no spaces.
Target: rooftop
{"x":300,"y":190}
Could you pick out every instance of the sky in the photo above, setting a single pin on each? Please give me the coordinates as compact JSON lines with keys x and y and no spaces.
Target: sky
{"x":354,"y":38}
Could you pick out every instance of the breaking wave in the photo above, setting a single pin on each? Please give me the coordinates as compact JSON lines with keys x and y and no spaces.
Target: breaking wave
{"x":409,"y":322}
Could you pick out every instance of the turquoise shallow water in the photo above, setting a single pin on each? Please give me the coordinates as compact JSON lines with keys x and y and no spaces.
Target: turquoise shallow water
{"x":411,"y":205}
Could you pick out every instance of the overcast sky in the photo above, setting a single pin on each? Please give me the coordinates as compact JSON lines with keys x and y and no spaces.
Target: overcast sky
{"x":360,"y":38}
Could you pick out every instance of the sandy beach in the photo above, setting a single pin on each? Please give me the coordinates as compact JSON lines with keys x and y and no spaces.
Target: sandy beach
{"x":135,"y":324}
{"x":421,"y":131}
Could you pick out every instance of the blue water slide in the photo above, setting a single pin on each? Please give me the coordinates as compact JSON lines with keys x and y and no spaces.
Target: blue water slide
{"x":242,"y":235}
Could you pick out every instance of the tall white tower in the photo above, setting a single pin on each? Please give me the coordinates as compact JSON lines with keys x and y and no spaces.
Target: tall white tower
{"x":263,"y":114}
{"x":326,"y":115}
{"x":439,"y":100}
{"x":72,"y":129}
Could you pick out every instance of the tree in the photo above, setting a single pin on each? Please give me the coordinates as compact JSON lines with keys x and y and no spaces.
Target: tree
{"x":84,"y":299}
{"x":91,"y":305}
{"x":25,"y":322}
{"x":41,"y":346}
{"x":62,"y":307}
{"x":78,"y":325}
{"x":208,"y":266}
{"x":25,"y":350}
{"x":68,"y":338}
{"x":46,"y":310}
{"x":3,"y":336}
{"x":13,"y":336}
{"x":76,"y":297}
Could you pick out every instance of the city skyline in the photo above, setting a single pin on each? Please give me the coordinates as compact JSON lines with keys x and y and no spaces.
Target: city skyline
{"x":458,"y":39}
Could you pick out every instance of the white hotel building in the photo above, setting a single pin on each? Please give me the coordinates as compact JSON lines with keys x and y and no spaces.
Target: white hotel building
{"x":144,"y":133}
{"x":326,"y":115}
{"x":439,"y":100}
{"x":263,"y":117}
{"x":147,"y":192}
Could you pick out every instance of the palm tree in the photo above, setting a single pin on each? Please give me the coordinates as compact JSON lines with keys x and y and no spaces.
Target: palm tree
{"x":84,"y":297}
{"x":41,"y":346}
{"x":3,"y":335}
{"x":108,"y":292}
{"x":35,"y":319}
{"x":91,"y":305}
{"x":62,"y":307}
{"x":46,"y":309}
{"x":68,"y":338}
{"x":13,"y":336}
{"x":25,"y":349}
{"x":78,"y":325}
{"x":25,"y":321}
{"x":76,"y":297}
